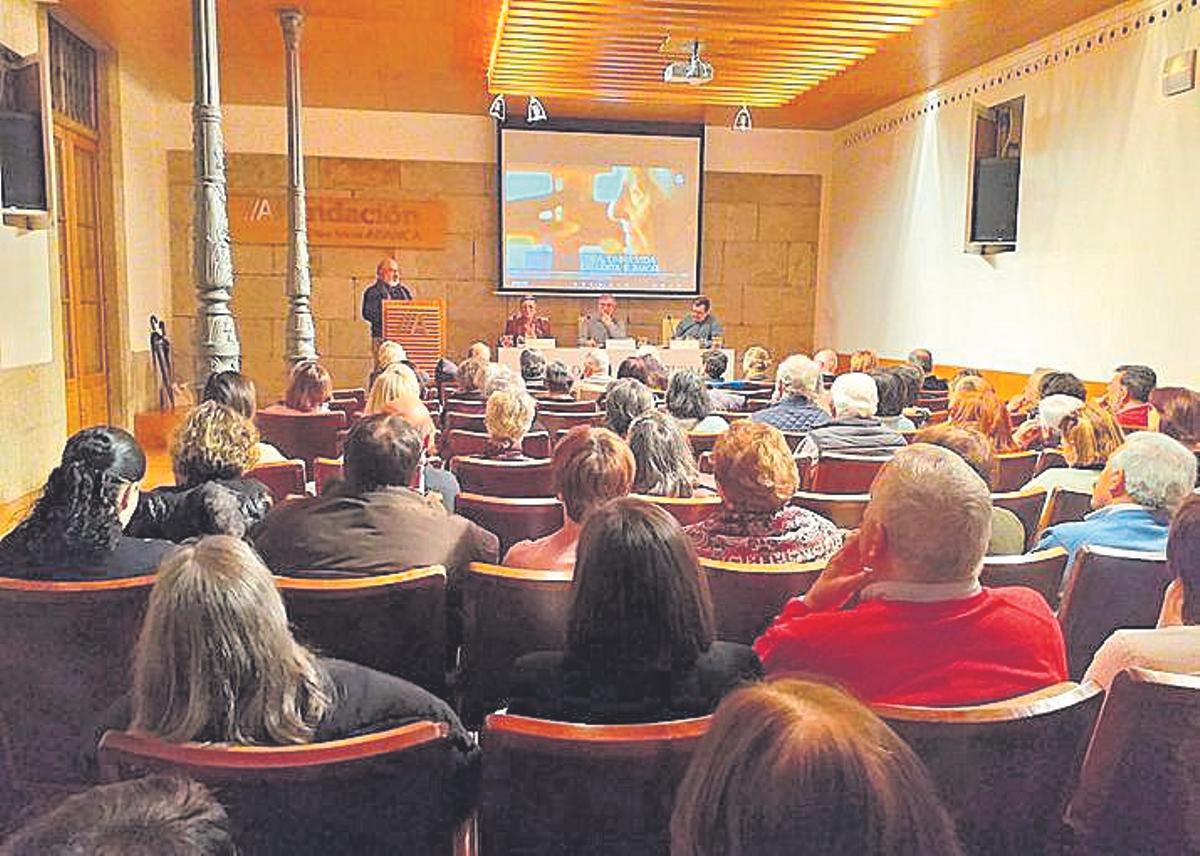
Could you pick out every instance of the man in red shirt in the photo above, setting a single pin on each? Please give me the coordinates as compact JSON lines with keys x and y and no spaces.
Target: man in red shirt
{"x":923,"y":632}
{"x":1128,"y":397}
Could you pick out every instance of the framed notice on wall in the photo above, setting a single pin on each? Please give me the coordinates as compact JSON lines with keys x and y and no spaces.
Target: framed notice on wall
{"x":335,"y":221}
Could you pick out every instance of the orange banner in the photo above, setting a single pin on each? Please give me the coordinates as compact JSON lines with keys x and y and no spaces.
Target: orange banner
{"x":261,"y":218}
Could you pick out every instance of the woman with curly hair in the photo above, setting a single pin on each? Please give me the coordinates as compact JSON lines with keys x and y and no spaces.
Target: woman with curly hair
{"x":75,"y":530}
{"x":210,"y":454}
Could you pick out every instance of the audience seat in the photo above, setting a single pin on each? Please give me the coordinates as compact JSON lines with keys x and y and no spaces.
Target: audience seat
{"x":834,"y":473}
{"x":555,"y":421}
{"x":584,"y":790}
{"x":1064,"y":506}
{"x":507,"y":612}
{"x":755,"y":403}
{"x":794,"y":439}
{"x":548,"y":406}
{"x":703,"y":441}
{"x":1015,"y":470}
{"x":283,"y":478}
{"x":1107,"y":589}
{"x":747,"y":597}
{"x":535,"y":444}
{"x":350,"y":407}
{"x":465,"y":405}
{"x":704,"y":463}
{"x":1138,"y":789}
{"x":1004,"y":770}
{"x":326,"y":471}
{"x":731,"y":416}
{"x":935,"y":402}
{"x":512,"y":519}
{"x":393,"y":622}
{"x":1041,"y":571}
{"x":686,"y":510}
{"x":387,"y":792}
{"x":1049,"y":459}
{"x":455,"y":419}
{"x":504,"y":478}
{"x":1027,"y":505}
{"x":844,"y":509}
{"x":356,"y":393}
{"x":306,"y":436}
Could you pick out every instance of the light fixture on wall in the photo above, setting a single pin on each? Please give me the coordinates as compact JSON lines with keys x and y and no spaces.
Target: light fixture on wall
{"x":498,"y":110}
{"x":742,"y":121}
{"x":535,"y":112}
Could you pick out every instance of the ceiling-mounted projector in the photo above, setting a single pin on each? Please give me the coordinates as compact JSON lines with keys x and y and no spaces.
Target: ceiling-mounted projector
{"x":693,"y":70}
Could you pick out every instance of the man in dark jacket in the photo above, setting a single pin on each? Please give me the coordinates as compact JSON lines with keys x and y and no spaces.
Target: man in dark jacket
{"x":387,"y":286}
{"x":855,"y":429}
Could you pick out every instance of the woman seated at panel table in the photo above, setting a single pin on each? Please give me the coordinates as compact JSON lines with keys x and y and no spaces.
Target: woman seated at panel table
{"x":508,"y":418}
{"x":526,"y":323}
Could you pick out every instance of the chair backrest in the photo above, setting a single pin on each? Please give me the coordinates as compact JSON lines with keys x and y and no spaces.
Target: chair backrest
{"x":65,"y":656}
{"x":504,"y":478}
{"x":464,"y":421}
{"x":1064,"y":506}
{"x":1014,"y":470}
{"x":326,"y":470}
{"x":352,"y":409}
{"x":794,"y":439}
{"x":834,"y":473}
{"x":356,"y":393}
{"x":844,"y":509}
{"x":1027,"y":505}
{"x":1041,"y":571}
{"x":1004,"y":770}
{"x":747,"y":597}
{"x":283,"y":479}
{"x":1137,"y":790}
{"x":547,"y":406}
{"x":535,"y":444}
{"x":936,"y":401}
{"x":466,"y":405}
{"x":687,"y":511}
{"x":703,"y":441}
{"x":555,"y":421}
{"x":1107,"y":589}
{"x":731,"y":416}
{"x":511,"y":519}
{"x":586,"y":790}
{"x":387,"y":792}
{"x":507,"y":612}
{"x":303,"y":435}
{"x":393,"y":622}
{"x":1049,"y":459}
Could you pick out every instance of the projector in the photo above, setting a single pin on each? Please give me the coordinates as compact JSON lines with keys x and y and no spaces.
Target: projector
{"x":694,"y":71}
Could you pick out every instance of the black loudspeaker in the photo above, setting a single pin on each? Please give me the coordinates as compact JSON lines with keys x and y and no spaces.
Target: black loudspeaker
{"x":22,"y":169}
{"x":994,"y":207}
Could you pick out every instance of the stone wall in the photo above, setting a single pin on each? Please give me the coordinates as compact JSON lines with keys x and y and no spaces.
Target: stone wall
{"x":759,"y":263}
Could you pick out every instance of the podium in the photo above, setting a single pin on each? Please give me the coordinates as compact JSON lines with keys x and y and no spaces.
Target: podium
{"x":418,"y":325}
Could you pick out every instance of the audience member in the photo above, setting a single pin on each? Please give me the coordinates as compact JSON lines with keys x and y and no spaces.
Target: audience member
{"x":1128,"y":397}
{"x":1179,"y":408}
{"x":1025,"y":403}
{"x":968,"y":380}
{"x":634,"y":366}
{"x":374,"y":521}
{"x":854,"y":429}
{"x":1089,"y":435}
{"x":797,"y":383}
{"x":236,"y":391}
{"x":688,"y":402}
{"x":433,"y":479}
{"x":923,"y":632}
{"x":1138,"y":490}
{"x":923,"y":359}
{"x":591,"y":466}
{"x":656,"y":372}
{"x":508,"y":417}
{"x":1174,"y":645}
{"x":471,"y":374}
{"x":864,"y":360}
{"x":388,"y":354}
{"x":75,"y":529}
{"x":756,"y":364}
{"x":1061,"y":383}
{"x":756,"y":477}
{"x":827,"y":360}
{"x":497,"y":377}
{"x":910,"y":383}
{"x":1042,"y":429}
{"x":890,"y":388}
{"x":559,"y":383}
{"x":715,"y":364}
{"x":390,"y":384}
{"x":665,"y":464}
{"x":791,"y":766}
{"x":309,"y":389}
{"x":479,"y":351}
{"x":533,"y":367}
{"x":984,"y":412}
{"x":641,"y":645}
{"x":596,"y":365}
{"x":626,"y":400}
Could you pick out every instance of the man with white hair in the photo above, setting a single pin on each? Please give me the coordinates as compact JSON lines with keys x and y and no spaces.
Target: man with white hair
{"x":855,"y":430}
{"x":1142,"y":484}
{"x":827,"y":360}
{"x":924,"y":632}
{"x":796,"y":384}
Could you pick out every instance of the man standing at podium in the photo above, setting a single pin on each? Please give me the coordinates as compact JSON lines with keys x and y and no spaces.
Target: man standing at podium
{"x":387,"y":286}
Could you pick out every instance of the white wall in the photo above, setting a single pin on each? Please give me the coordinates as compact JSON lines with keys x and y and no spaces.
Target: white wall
{"x":1108,"y":257}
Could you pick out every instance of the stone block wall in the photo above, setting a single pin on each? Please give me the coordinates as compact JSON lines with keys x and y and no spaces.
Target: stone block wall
{"x":759,"y":248}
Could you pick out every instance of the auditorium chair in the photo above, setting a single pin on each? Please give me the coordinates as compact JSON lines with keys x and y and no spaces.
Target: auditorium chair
{"x":454,"y":419}
{"x":747,"y":597}
{"x":1107,"y":589}
{"x":1064,"y":506}
{"x":1015,"y":469}
{"x":512,"y":519}
{"x":465,"y":405}
{"x":844,"y":509}
{"x":350,"y":407}
{"x":306,"y":436}
{"x":687,"y":510}
{"x":704,"y":462}
{"x":282,"y":478}
{"x":1027,"y":505}
{"x":356,"y":394}
{"x":934,"y":402}
{"x":507,"y":612}
{"x":504,"y":478}
{"x":702,"y":442}
{"x":388,"y":792}
{"x":65,"y":655}
{"x":325,"y":472}
{"x":1041,"y":571}
{"x":834,"y":473}
{"x":556,"y":422}
{"x":1049,"y":459}
{"x":535,"y":444}
{"x":557,"y":406}
{"x":755,"y":402}
{"x":1004,"y":770}
{"x":391,"y":621}
{"x":584,"y":790}
{"x":1138,"y":788}
{"x":794,"y":439}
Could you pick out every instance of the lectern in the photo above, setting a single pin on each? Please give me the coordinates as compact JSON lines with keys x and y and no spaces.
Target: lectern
{"x":418,"y":325}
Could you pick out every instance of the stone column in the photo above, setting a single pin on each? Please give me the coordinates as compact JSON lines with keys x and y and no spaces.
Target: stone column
{"x":217,"y":347}
{"x":301,"y":336}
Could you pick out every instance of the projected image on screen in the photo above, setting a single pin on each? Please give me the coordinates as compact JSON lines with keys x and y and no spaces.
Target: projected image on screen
{"x":599,"y":212}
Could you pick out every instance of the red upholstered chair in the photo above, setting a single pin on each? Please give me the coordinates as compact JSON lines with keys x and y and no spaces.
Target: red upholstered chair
{"x":465,"y":405}
{"x":356,"y":394}
{"x":387,"y":792}
{"x":703,"y":442}
{"x":687,"y":511}
{"x":586,"y":790}
{"x":511,"y":519}
{"x":283,"y":478}
{"x":844,"y":509}
{"x":1137,"y":790}
{"x":1064,"y":506}
{"x":504,"y":478}
{"x":731,"y":416}
{"x":556,"y":421}
{"x":834,"y":473}
{"x":1107,"y":589}
{"x":935,"y":401}
{"x":1041,"y":571}
{"x":1015,"y":470}
{"x":747,"y":597}
{"x":326,"y":471}
{"x":1049,"y":459}
{"x":535,"y":444}
{"x":548,"y":406}
{"x":306,"y":436}
{"x":350,"y":407}
{"x":1027,"y":505}
{"x":453,"y":419}
{"x":507,"y":612}
{"x":755,"y":403}
{"x":393,"y":622}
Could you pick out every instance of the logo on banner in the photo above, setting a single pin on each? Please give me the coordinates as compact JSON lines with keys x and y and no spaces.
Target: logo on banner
{"x":338,"y":222}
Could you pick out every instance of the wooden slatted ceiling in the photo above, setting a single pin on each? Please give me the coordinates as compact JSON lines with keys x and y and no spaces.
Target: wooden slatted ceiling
{"x":764,"y":53}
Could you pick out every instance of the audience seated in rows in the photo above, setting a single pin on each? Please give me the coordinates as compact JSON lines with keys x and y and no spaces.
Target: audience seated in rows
{"x":508,"y":418}
{"x":864,"y":360}
{"x":827,"y":361}
{"x":210,"y":453}
{"x":433,"y":480}
{"x":756,"y":477}
{"x":1179,"y":409}
{"x":891,"y":389}
{"x":854,"y":428}
{"x":591,"y":466}
{"x":665,"y":463}
{"x":497,"y":377}
{"x":237,"y":392}
{"x":923,"y":632}
{"x":756,"y":364}
{"x":75,"y":529}
{"x":309,"y":389}
{"x":923,"y":359}
{"x":626,"y":400}
{"x":559,"y":384}
{"x":472,"y":372}
{"x":715,"y":364}
{"x":640,"y":634}
{"x":375,"y":520}
{"x":797,"y":383}
{"x":1128,"y":397}
{"x":790,"y":766}
{"x":688,"y":402}
{"x":911,"y":378}
{"x":1089,"y":434}
{"x":983,"y":411}
{"x":1008,"y":533}
{"x":1141,"y":485}
{"x":1174,"y":645}
{"x":390,"y":384}
{"x":533,"y":368}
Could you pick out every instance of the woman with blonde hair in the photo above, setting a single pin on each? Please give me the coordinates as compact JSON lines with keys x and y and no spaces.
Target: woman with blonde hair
{"x":864,"y":360}
{"x":392,"y":383}
{"x":1089,"y":435}
{"x":756,"y":364}
{"x":508,"y":418}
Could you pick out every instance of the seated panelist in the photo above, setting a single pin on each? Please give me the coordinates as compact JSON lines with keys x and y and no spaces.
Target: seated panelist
{"x":527,"y":324}
{"x":598,"y":327}
{"x":702,"y":324}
